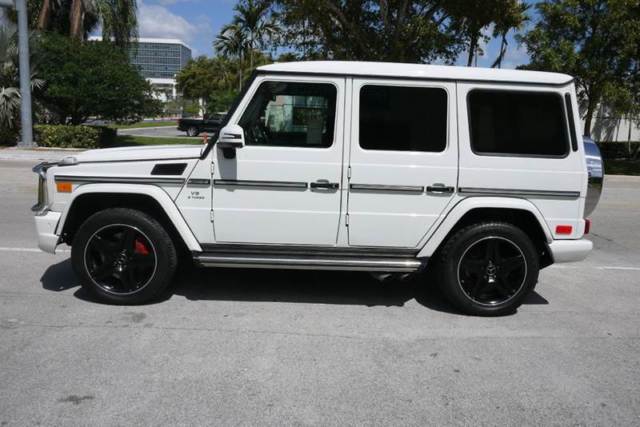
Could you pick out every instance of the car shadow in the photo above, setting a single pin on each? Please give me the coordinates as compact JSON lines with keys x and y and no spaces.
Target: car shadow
{"x":294,"y":286}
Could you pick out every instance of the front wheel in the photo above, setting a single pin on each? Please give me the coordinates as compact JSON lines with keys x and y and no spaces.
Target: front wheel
{"x":123,"y":256}
{"x":488,"y":269}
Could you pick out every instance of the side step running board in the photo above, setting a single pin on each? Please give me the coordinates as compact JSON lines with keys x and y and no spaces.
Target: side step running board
{"x":307,"y":262}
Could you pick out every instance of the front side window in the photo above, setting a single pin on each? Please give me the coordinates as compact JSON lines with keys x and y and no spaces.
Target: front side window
{"x":283,"y":114}
{"x":517,"y":123}
{"x":394,"y":118}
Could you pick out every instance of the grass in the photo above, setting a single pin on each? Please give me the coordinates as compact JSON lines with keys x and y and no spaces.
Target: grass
{"x":622,"y":167}
{"x":147,"y":124}
{"x":130,"y":140}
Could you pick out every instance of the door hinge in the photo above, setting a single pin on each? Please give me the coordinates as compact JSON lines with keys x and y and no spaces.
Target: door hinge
{"x":349,"y":172}
{"x":211,"y":215}
{"x":346,"y":220}
{"x":213,"y":169}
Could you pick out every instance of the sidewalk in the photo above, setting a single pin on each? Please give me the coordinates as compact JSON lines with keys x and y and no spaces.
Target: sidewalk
{"x":36,"y":154}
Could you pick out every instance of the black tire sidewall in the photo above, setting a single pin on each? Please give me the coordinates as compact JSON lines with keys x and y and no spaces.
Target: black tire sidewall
{"x":460,"y":242}
{"x":166,"y":257}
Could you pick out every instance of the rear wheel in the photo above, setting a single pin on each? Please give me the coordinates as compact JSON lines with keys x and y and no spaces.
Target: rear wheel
{"x":123,"y":256}
{"x":488,"y":269}
{"x":192,"y":131}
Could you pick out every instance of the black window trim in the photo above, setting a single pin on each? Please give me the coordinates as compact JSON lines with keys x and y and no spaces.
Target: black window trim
{"x":530,"y":156}
{"x":370,"y":82}
{"x":289,"y":147}
{"x":572,"y":124}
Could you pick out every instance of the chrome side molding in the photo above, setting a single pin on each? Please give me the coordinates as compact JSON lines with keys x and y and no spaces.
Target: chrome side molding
{"x":470,"y":191}
{"x":259,"y":184}
{"x":388,"y":188}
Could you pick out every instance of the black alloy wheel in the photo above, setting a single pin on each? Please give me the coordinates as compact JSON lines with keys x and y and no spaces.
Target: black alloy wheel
{"x":120,"y":259}
{"x":123,"y":256}
{"x":488,"y":268}
{"x":492,"y":270}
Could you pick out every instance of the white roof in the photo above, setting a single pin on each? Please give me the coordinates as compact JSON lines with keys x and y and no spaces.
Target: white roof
{"x":418,"y":71}
{"x":148,"y":40}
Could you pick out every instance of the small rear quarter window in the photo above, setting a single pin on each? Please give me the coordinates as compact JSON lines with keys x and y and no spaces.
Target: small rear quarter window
{"x":517,"y":123}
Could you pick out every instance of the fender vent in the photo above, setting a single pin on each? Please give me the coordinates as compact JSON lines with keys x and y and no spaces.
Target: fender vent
{"x":169,"y":169}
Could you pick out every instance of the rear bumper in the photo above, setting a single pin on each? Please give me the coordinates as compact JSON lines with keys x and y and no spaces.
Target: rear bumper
{"x":570,"y":250}
{"x":46,"y":228}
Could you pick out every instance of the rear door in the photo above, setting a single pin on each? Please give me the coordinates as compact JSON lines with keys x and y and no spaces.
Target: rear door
{"x":403,"y":160}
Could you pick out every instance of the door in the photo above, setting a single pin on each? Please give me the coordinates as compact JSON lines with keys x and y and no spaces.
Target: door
{"x":403,"y":160}
{"x":282,"y":187}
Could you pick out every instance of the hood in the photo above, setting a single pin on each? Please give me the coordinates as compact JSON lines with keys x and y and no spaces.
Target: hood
{"x":155,"y":152}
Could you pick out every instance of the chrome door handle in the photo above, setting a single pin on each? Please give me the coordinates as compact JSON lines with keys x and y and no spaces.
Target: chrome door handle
{"x":440,"y":189}
{"x":325,"y":185}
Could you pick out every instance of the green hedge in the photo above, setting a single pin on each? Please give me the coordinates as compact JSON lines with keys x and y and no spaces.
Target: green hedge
{"x":617,"y":150}
{"x":66,"y":136}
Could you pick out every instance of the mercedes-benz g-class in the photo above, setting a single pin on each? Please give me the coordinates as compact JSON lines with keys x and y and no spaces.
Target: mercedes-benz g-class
{"x":477,"y":174}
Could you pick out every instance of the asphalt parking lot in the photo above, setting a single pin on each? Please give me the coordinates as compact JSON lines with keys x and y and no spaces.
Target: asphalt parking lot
{"x":235,"y":347}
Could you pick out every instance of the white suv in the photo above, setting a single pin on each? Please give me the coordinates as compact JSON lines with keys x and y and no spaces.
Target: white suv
{"x":476,"y":173}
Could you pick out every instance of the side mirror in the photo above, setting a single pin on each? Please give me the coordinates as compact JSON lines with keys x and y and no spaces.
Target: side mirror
{"x":231,"y":136}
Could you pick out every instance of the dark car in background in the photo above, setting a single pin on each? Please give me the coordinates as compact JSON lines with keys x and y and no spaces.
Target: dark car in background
{"x":194,"y":126}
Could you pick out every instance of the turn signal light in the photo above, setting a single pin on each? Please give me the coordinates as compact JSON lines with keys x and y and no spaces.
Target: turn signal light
{"x":564,"y":229}
{"x":63,"y":187}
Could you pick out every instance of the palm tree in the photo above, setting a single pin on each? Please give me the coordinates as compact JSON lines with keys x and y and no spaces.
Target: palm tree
{"x":117,"y":17}
{"x":231,"y":43}
{"x":119,"y":21}
{"x":44,"y":16}
{"x":251,"y":20}
{"x":79,"y":8}
{"x":9,"y":83}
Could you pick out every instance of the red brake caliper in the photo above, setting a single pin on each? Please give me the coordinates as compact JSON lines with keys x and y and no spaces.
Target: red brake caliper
{"x":141,"y":248}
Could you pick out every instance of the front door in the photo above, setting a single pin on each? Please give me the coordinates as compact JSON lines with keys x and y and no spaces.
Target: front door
{"x":282,"y":187}
{"x":403,"y":160}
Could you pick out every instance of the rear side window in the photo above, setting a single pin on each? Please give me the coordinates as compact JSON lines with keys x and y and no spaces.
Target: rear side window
{"x":396,"y":118}
{"x":517,"y":123}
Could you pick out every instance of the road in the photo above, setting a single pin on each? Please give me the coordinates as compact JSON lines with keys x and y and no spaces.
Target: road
{"x":235,"y":347}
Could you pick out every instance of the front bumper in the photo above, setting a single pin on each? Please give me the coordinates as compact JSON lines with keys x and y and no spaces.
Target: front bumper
{"x":46,"y":228}
{"x":570,"y":250}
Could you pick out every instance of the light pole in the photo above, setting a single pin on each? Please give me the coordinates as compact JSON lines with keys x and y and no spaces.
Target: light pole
{"x":25,"y":70}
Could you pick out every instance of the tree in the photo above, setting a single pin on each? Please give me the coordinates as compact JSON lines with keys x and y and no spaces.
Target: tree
{"x":252,"y":21}
{"x":214,"y":79}
{"x":77,"y":18}
{"x":9,"y":86}
{"x":376,"y":30}
{"x":596,"y":41}
{"x":91,"y":80}
{"x":232,"y":43}
{"x":470,"y":19}
{"x":119,"y":21}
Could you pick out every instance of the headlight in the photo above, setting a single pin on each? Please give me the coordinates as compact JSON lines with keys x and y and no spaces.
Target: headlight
{"x":43,"y":199}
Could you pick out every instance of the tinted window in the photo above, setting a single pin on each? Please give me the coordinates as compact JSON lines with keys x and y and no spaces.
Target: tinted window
{"x":403,"y":118}
{"x":291,"y":115}
{"x":518,"y":123}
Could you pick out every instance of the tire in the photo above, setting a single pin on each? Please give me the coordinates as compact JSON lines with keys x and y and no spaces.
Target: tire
{"x":123,"y":256}
{"x":488,"y":269}
{"x":193,"y":131}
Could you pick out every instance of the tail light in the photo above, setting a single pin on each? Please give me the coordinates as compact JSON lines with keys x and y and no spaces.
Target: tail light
{"x":587,"y":226}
